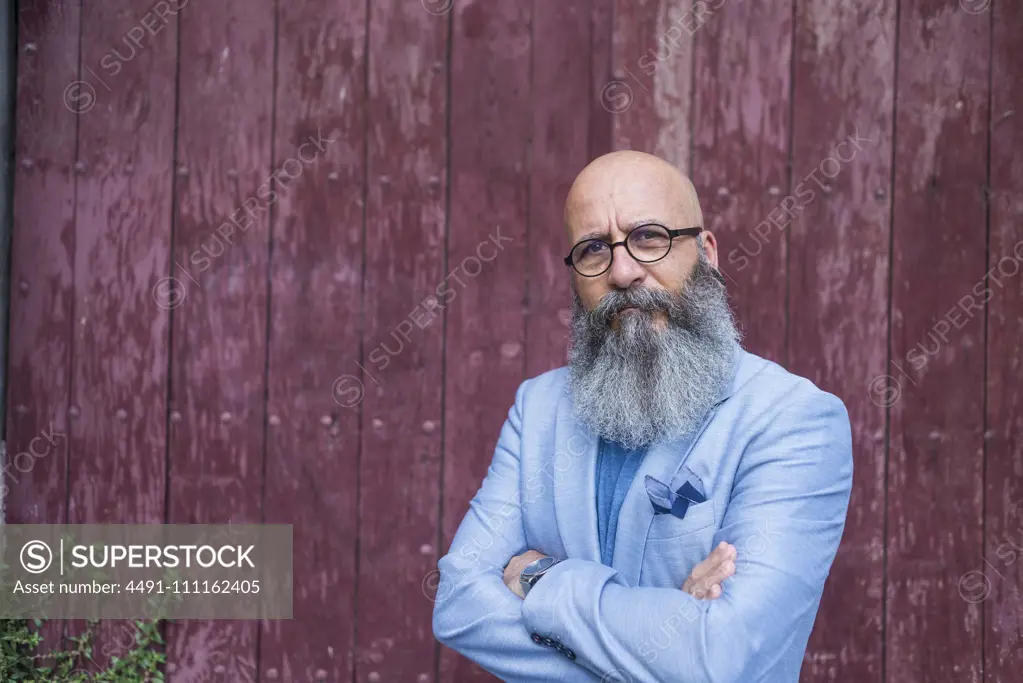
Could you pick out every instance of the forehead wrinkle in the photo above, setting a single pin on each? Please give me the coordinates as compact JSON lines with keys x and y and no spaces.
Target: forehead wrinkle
{"x":628,"y":227}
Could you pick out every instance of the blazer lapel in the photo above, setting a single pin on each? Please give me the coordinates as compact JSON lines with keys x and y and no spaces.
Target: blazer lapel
{"x":574,"y":465}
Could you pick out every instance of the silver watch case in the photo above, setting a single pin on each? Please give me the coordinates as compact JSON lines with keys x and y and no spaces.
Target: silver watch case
{"x":534,"y":571}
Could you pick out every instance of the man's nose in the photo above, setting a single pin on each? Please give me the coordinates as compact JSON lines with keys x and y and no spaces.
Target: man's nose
{"x":625,"y":271}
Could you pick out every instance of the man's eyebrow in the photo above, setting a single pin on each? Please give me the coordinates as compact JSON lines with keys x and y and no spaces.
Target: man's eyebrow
{"x":629,"y":227}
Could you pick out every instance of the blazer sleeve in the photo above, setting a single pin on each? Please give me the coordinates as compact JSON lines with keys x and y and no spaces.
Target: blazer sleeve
{"x":475,"y":613}
{"x":791,"y":493}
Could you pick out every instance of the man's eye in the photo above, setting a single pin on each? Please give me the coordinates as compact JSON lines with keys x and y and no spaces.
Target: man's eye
{"x":594,"y":248}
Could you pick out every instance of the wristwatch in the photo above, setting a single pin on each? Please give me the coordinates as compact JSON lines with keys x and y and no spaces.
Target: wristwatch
{"x":534,"y":571}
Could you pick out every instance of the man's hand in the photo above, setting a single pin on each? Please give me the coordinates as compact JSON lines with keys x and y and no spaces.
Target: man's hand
{"x":704,"y":583}
{"x":513,"y":570}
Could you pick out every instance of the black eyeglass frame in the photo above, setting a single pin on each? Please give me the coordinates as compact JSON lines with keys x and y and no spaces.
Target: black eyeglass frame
{"x":672,"y":234}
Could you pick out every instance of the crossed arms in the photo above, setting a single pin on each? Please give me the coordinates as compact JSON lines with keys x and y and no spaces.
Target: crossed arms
{"x":793,"y":480}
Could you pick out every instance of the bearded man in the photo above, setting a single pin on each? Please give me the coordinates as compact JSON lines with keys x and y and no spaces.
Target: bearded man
{"x":667,"y":507}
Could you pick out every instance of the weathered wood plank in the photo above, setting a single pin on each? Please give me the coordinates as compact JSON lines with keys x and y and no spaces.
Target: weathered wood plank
{"x":41,"y":312}
{"x":652,"y":63}
{"x":42,"y":264}
{"x":935,"y":474}
{"x":122,"y":248}
{"x":601,"y":119}
{"x":561,"y":41}
{"x":490,"y":124}
{"x":740,"y":157}
{"x":403,"y":342}
{"x":313,"y":442}
{"x":8,"y":71}
{"x":838,"y":291}
{"x":219,"y":321}
{"x":999,"y":580}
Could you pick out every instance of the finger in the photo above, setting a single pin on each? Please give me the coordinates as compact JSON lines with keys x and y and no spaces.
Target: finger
{"x":714,"y":579}
{"x":721,"y":554}
{"x":705,"y":592}
{"x":707,"y":565}
{"x":698,"y":589}
{"x":700,"y":571}
{"x":719,"y":573}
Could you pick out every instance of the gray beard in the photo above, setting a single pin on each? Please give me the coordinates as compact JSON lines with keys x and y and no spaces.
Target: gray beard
{"x":638,"y":385}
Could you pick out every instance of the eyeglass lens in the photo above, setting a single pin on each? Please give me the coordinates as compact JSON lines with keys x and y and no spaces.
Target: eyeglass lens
{"x":646,"y":243}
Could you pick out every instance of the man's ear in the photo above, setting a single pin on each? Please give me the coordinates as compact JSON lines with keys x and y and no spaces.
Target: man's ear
{"x":710,"y":247}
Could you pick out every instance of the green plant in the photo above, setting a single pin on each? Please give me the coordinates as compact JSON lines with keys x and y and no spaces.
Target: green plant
{"x":23,"y":656}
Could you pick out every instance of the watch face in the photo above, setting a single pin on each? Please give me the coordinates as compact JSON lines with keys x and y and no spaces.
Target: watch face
{"x":538,"y":567}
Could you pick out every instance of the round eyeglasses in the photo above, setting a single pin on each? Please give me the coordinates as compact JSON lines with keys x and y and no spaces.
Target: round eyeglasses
{"x":646,"y":243}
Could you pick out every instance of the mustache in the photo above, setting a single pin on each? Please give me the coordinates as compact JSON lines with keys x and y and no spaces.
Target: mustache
{"x":676,"y":305}
{"x":640,"y":298}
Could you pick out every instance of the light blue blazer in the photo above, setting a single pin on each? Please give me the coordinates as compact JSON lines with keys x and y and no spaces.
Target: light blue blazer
{"x":775,"y":459}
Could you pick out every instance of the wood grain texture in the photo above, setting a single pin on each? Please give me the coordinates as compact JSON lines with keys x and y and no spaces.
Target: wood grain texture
{"x":651,"y":92}
{"x":42,"y":266}
{"x":740,"y":158}
{"x":844,"y":85}
{"x":388,"y":349}
{"x":41,"y":311}
{"x":999,"y":581}
{"x":313,"y":441}
{"x":490,"y":126}
{"x":601,"y":124}
{"x":219,"y":326}
{"x":560,"y":138}
{"x":122,"y":247}
{"x":402,"y":345}
{"x":935,"y":485}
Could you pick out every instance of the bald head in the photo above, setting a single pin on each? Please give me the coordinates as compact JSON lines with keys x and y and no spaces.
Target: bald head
{"x":633,"y":184}
{"x":620,"y":191}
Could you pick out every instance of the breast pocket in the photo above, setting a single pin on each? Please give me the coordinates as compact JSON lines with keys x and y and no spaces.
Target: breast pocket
{"x":667,"y":526}
{"x":674,"y":546}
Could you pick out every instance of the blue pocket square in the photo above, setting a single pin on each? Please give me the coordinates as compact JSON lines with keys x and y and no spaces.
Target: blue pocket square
{"x":689,"y":491}
{"x":676,"y":502}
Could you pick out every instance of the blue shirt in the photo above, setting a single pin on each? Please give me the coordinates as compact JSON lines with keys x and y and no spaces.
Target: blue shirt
{"x":616,"y":468}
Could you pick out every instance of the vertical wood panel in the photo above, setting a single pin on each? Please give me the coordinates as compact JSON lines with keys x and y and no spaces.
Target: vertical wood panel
{"x":403,"y":341}
{"x":219,"y":326}
{"x":561,"y":81}
{"x":935,"y":485}
{"x":1000,"y":583}
{"x":42,"y":269}
{"x":601,"y":118}
{"x":838,"y":292}
{"x":122,"y":245}
{"x":490,"y":124}
{"x":652,"y":65}
{"x":313,"y":441}
{"x":42,"y":262}
{"x":740,"y":157}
